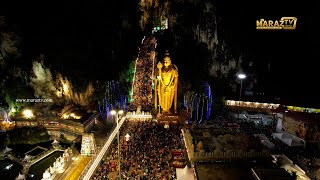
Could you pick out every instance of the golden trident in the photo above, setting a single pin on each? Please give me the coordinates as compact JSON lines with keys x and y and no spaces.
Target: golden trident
{"x":159,"y":66}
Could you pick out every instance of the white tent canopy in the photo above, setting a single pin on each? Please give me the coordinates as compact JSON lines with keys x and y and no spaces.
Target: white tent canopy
{"x":26,"y":158}
{"x":55,"y":142}
{"x":289,"y":139}
{"x":21,"y":177}
{"x":6,"y":150}
{"x":185,"y":173}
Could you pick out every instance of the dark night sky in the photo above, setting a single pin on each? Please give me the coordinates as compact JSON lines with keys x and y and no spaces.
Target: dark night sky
{"x":75,"y":33}
{"x":73,"y":36}
{"x":293,"y":54}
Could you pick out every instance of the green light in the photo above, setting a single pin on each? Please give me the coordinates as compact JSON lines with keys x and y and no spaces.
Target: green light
{"x":158,"y":28}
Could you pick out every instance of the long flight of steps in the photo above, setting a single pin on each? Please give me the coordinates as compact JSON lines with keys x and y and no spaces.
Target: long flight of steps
{"x":144,"y":67}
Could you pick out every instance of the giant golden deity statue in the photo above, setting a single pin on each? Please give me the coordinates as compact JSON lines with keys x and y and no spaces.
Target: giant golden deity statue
{"x":166,"y":85}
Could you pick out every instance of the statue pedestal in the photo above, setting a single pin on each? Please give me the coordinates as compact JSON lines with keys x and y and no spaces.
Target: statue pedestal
{"x":167,"y":118}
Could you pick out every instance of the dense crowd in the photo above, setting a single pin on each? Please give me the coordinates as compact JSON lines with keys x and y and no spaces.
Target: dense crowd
{"x":148,"y":154}
{"x":142,"y":87}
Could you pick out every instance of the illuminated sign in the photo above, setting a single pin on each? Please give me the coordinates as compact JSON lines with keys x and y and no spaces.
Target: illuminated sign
{"x":285,"y":23}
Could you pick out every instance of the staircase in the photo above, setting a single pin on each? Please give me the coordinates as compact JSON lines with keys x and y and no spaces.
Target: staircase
{"x":142,"y":83}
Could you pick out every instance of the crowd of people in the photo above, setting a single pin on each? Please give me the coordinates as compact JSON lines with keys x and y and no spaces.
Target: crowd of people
{"x":142,"y":87}
{"x":148,"y":154}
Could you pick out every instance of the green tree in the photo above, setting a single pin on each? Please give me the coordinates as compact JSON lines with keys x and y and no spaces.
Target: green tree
{"x":29,"y":135}
{"x":13,"y":76}
{"x":126,"y":76}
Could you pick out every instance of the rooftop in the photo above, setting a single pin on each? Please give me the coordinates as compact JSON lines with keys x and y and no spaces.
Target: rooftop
{"x":271,"y":174}
{"x":309,"y":118}
{"x":250,"y":110}
{"x":54,"y":113}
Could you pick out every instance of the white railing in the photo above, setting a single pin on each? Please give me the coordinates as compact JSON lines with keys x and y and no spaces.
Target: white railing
{"x":188,"y":143}
{"x":92,"y":166}
{"x":187,"y":138}
{"x":41,"y":156}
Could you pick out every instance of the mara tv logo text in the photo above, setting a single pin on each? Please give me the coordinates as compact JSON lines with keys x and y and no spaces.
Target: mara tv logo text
{"x":285,"y":23}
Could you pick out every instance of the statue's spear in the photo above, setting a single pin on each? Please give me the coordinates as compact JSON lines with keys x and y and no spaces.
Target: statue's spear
{"x":159,"y":66}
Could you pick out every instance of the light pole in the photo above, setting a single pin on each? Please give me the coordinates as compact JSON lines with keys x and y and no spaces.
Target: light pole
{"x":117,"y":113}
{"x":241,"y":76}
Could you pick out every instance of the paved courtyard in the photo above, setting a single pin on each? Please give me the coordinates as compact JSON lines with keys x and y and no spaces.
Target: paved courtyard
{"x":223,"y":171}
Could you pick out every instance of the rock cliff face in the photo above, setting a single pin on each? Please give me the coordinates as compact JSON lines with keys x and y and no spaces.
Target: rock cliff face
{"x":197,"y":23}
{"x":12,"y":73}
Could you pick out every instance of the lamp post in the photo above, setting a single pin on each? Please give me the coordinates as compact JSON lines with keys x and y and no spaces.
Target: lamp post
{"x":27,"y":113}
{"x":117,"y":113}
{"x":241,"y":76}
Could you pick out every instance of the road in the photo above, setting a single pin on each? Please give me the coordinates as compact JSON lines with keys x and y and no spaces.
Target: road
{"x":104,"y":148}
{"x":75,"y":169}
{"x":77,"y":166}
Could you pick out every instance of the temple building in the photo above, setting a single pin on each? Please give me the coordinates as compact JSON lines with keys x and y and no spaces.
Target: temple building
{"x":88,"y":145}
{"x":71,"y":121}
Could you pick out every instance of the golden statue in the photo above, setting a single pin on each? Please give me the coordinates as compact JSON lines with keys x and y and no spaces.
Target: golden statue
{"x":166,"y":85}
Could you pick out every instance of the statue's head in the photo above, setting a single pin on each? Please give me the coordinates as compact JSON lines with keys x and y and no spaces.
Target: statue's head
{"x":167,"y":60}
